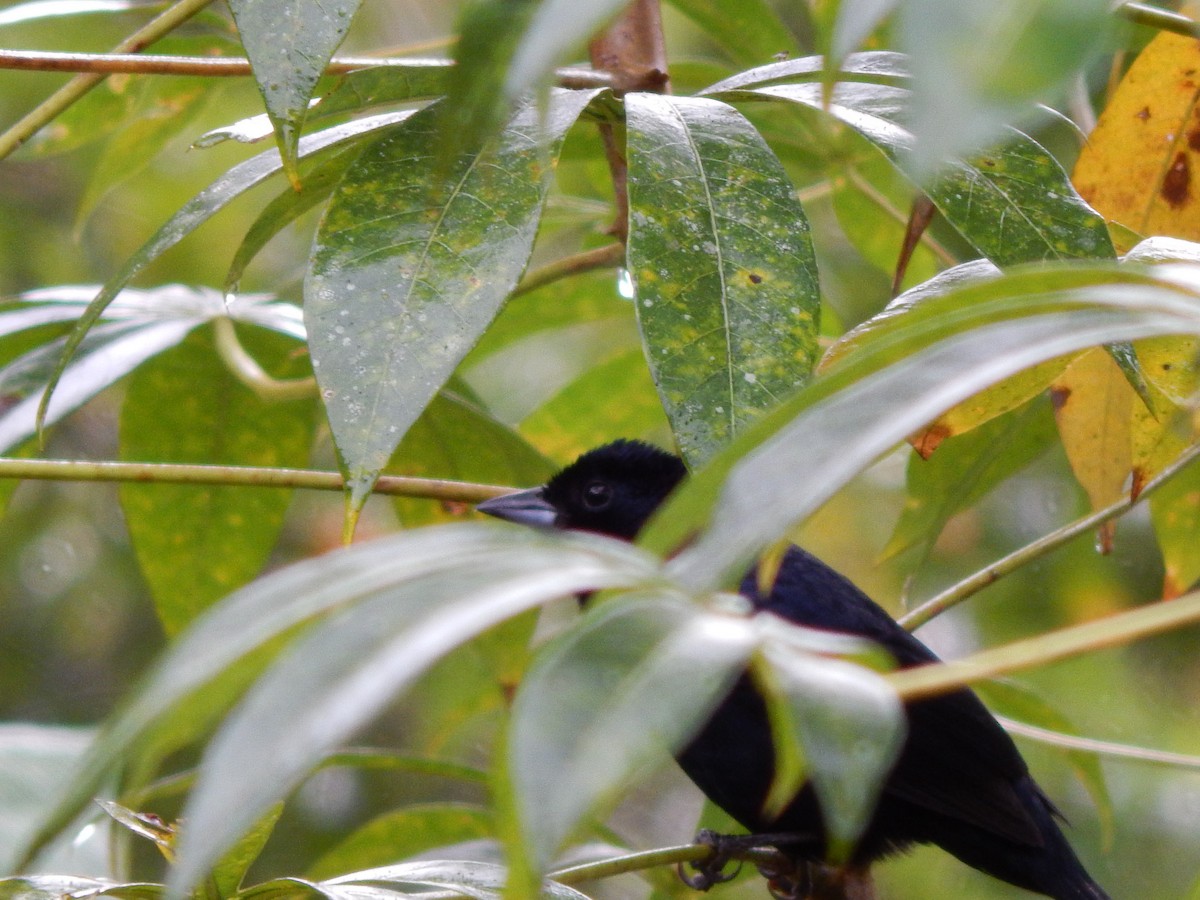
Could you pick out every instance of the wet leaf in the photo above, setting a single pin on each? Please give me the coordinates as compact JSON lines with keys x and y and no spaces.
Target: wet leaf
{"x":802,"y":453}
{"x":1092,"y":405}
{"x":392,"y":81}
{"x":209,"y":665}
{"x":722,"y":262}
{"x":851,"y":727}
{"x":345,"y":669}
{"x":1013,"y":203}
{"x":191,"y":216}
{"x":1138,"y":163}
{"x":289,"y":45}
{"x":411,"y":264}
{"x":605,"y":701}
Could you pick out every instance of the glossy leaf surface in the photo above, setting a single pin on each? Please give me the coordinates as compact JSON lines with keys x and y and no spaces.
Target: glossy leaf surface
{"x":723,"y":268}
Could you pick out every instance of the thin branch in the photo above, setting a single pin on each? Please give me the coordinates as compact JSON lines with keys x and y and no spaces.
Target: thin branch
{"x":229,"y":66}
{"x":1104,"y":748}
{"x":988,"y":575}
{"x":46,"y":111}
{"x":1162,"y":19}
{"x":649,"y":859}
{"x":1110,"y":631}
{"x":600,"y":258}
{"x":171,"y":473}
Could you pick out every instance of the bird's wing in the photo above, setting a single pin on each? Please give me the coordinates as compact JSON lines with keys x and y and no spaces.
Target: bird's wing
{"x":957,"y":761}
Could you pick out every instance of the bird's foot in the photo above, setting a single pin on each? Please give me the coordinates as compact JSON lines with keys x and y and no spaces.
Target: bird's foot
{"x":711,"y":870}
{"x":728,"y":848}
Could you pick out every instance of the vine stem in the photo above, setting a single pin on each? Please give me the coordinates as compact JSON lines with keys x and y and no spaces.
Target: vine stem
{"x":249,"y":476}
{"x":46,"y":111}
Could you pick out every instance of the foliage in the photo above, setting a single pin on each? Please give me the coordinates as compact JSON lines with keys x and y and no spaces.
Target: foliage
{"x":513,"y":261}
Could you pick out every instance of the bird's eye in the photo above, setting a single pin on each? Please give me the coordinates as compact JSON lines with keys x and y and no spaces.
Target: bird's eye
{"x":597,"y":495}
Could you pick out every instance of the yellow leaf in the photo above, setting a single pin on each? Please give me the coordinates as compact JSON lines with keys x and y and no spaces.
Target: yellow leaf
{"x":987,"y":404}
{"x":1093,"y":403}
{"x":1141,"y":162}
{"x":1162,"y":430}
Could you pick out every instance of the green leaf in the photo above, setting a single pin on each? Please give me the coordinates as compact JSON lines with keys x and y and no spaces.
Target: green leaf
{"x":391,"y":81}
{"x":601,"y":703}
{"x":289,"y":46}
{"x":346,"y":668}
{"x":851,"y":727}
{"x":208,"y":666}
{"x":962,"y":471}
{"x":477,"y":880}
{"x":411,"y":264}
{"x":145,"y":323}
{"x":230,"y":871}
{"x":722,"y":263}
{"x":191,"y":216}
{"x":750,"y":32}
{"x":109,"y":353}
{"x":456,"y":439}
{"x":1013,"y":203}
{"x":403,"y":833}
{"x":55,"y":887}
{"x":877,"y":66}
{"x":318,"y":181}
{"x":197,"y":543}
{"x":800,"y":455}
{"x":32,"y":760}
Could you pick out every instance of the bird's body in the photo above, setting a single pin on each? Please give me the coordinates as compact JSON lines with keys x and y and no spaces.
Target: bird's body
{"x":959,"y":781}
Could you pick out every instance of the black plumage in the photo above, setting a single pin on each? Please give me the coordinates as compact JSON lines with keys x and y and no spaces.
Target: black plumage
{"x":959,"y":781}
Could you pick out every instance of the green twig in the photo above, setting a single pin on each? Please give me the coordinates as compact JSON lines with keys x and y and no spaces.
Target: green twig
{"x":1104,"y":748}
{"x":229,"y":66}
{"x":649,"y":859}
{"x":600,"y":258}
{"x":49,"y":109}
{"x":1020,"y":557}
{"x":178,"y":473}
{"x":1111,"y":631}
{"x":1162,"y":19}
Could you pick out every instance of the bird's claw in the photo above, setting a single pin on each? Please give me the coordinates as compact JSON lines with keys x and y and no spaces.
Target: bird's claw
{"x":711,"y":871}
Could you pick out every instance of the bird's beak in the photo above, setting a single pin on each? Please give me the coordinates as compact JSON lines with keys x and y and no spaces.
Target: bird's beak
{"x":524,"y":507}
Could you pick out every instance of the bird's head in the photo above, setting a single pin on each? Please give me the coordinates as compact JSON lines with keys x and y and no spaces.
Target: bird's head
{"x":611,"y":490}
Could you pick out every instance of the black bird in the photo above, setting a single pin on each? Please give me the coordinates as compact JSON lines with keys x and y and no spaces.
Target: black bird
{"x":959,"y":781}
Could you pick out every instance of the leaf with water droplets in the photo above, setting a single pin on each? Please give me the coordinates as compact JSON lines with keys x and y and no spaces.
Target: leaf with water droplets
{"x":413,"y":259}
{"x":289,"y":45}
{"x":720,"y":253}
